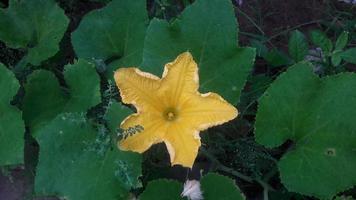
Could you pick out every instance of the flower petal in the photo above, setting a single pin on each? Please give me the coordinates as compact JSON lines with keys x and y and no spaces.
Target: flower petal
{"x":182,"y":144}
{"x":206,"y":110}
{"x":153,"y":129}
{"x":180,"y":77}
{"x":138,"y":88}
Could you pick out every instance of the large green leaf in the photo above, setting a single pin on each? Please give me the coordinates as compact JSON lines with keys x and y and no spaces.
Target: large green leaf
{"x":113,"y":33}
{"x":162,"y":189}
{"x":12,"y":128}
{"x":215,"y":186}
{"x":318,"y":115}
{"x":208,"y":29}
{"x":45,"y":99}
{"x":70,"y":166}
{"x":36,"y":25}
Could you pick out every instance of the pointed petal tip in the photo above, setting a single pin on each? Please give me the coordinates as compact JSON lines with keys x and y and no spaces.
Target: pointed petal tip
{"x":236,"y":112}
{"x":186,"y":54}
{"x":233,"y":115}
{"x":119,"y":74}
{"x":178,"y":160}
{"x":183,"y":65}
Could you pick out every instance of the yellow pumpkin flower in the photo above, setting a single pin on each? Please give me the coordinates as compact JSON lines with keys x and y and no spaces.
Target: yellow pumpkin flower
{"x":170,"y":109}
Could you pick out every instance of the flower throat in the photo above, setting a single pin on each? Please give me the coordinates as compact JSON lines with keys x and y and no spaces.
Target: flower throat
{"x":170,"y":114}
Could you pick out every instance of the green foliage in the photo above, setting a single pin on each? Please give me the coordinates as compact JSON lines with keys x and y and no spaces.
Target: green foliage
{"x":327,"y":59}
{"x":162,"y":189}
{"x":257,"y":84}
{"x":68,"y":155}
{"x":321,"y":40}
{"x":277,"y":58}
{"x":115,"y":114}
{"x":213,"y":186}
{"x":344,"y":198}
{"x":336,"y":55}
{"x":342,"y":40}
{"x":349,"y":55}
{"x":207,"y":29}
{"x":113,"y":34}
{"x":305,"y":130}
{"x":298,"y":46}
{"x":318,"y":116}
{"x":45,"y":98}
{"x":12,"y":127}
{"x":36,"y":26}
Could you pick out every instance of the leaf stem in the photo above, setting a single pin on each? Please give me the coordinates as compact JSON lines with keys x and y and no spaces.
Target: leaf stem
{"x":221,"y":167}
{"x":251,"y":20}
{"x":224,"y":168}
{"x":20,"y":66}
{"x":235,"y":173}
{"x":292,"y":28}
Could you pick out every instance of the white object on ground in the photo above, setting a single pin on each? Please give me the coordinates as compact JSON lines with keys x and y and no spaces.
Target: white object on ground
{"x":192,"y":190}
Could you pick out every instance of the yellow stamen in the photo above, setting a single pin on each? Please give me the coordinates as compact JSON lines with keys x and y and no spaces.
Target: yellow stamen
{"x":170,"y":116}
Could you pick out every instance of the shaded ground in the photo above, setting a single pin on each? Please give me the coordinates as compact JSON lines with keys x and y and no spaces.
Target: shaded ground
{"x":270,"y":20}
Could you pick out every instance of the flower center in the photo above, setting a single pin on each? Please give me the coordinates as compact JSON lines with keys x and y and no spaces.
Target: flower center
{"x":170,"y":114}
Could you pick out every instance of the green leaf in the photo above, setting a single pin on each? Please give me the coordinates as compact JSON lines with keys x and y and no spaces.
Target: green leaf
{"x":320,"y":39}
{"x":45,"y":98}
{"x":115,"y":114}
{"x":261,"y":49}
{"x":298,"y":46}
{"x":349,"y":55}
{"x":70,"y":167}
{"x":215,"y":186}
{"x":36,"y":25}
{"x":277,"y":58}
{"x":344,"y":197}
{"x":336,"y":58}
{"x":208,"y":29}
{"x":318,"y":115}
{"x":162,"y":189}
{"x":113,"y":33}
{"x":12,"y":128}
{"x":342,"y":40}
{"x":257,"y":85}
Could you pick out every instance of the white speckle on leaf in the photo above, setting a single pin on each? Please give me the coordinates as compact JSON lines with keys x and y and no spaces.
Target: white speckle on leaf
{"x":60,"y":132}
{"x":234,"y":88}
{"x":192,"y":190}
